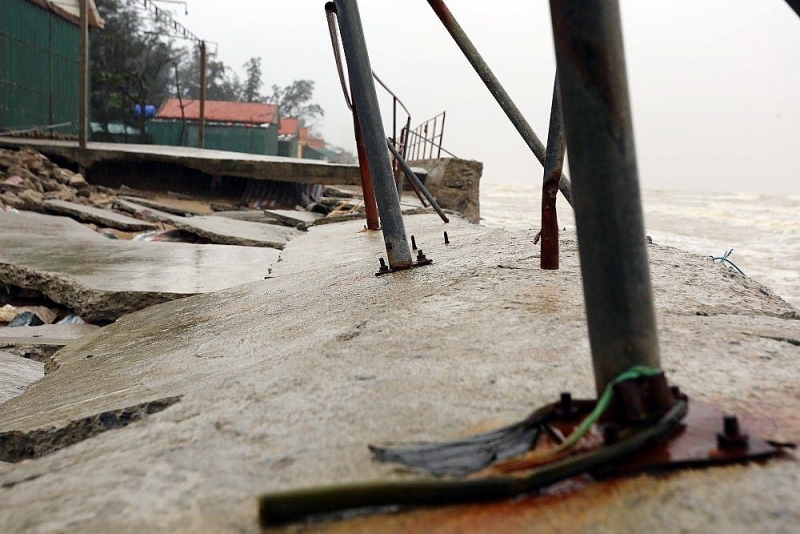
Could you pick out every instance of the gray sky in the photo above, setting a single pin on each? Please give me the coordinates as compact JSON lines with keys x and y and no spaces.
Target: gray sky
{"x":715,"y":84}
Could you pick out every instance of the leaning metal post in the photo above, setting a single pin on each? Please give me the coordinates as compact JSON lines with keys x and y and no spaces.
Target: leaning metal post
{"x":498,"y":92}
{"x":418,"y":185}
{"x":795,"y":5}
{"x":552,"y":172}
{"x":608,"y":209}
{"x":365,"y":100}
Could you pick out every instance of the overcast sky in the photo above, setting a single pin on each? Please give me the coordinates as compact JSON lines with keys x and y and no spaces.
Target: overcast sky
{"x":715,"y":84}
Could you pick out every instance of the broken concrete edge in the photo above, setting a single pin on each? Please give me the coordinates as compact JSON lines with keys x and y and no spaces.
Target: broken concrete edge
{"x":16,"y":446}
{"x":455,"y":183}
{"x":223,"y":239}
{"x":86,"y":214}
{"x":93,"y":306}
{"x":211,"y":162}
{"x":177,"y":221}
{"x":39,"y":353}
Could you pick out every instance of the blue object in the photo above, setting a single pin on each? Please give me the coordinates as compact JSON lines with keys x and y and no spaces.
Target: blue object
{"x":149,"y":111}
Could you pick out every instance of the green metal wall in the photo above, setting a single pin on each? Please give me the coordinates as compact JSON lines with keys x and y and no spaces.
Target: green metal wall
{"x":39,"y":59}
{"x":263,"y":141}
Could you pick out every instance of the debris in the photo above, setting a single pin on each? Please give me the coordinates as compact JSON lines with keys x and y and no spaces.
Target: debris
{"x":10,"y":313}
{"x":27,"y":178}
{"x":171,"y":236}
{"x":26,"y":319}
{"x":71,"y":319}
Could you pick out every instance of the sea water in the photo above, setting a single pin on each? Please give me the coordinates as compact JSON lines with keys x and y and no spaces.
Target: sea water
{"x":762,"y":230}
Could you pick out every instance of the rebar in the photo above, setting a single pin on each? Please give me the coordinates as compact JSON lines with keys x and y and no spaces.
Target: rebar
{"x":553,"y":165}
{"x":608,"y":210}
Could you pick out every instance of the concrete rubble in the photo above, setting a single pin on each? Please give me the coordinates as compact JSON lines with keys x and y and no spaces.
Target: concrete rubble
{"x":175,"y":418}
{"x":27,"y":179}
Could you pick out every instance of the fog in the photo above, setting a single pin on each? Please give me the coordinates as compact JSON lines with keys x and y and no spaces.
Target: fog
{"x":714,"y":84}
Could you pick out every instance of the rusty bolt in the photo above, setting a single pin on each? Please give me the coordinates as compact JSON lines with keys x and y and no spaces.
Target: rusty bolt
{"x":566,"y":408}
{"x":566,"y":401}
{"x":384,"y":268}
{"x":413,"y":243}
{"x":420,"y":256}
{"x":731,"y":435}
{"x":446,"y":239}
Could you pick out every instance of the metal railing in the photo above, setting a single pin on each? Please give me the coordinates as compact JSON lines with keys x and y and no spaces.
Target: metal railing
{"x":425,"y":141}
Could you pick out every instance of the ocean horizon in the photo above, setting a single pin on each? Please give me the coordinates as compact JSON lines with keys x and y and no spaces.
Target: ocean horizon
{"x":762,"y":230}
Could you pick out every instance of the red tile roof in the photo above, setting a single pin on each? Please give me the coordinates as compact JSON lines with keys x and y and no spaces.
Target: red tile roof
{"x":219,"y":111}
{"x":303,"y":135}
{"x":289,"y":126}
{"x":316,"y":142}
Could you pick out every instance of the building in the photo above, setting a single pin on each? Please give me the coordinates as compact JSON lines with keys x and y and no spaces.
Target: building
{"x":249,"y":127}
{"x":295,"y":141}
{"x":289,"y":137}
{"x":39,"y":64}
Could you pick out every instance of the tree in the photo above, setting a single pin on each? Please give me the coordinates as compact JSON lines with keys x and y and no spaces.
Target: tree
{"x":251,"y":89}
{"x":130,"y":64}
{"x":221,"y":82}
{"x":293,"y":101}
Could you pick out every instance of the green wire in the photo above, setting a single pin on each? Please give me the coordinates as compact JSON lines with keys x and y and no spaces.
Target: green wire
{"x":637,"y":371}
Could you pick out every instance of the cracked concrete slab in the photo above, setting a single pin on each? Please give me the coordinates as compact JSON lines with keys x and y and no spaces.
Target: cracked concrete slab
{"x":294,"y":217}
{"x":101,"y":279}
{"x":285,"y":381}
{"x":219,"y":230}
{"x":161,"y":206}
{"x":101,"y":217}
{"x":16,"y":374}
{"x":39,"y":343}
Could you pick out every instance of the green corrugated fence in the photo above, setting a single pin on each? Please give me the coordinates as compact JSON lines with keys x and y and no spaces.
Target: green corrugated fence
{"x":39,"y":60}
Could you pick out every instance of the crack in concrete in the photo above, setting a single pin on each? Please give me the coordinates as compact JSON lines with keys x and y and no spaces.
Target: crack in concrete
{"x":16,"y":445}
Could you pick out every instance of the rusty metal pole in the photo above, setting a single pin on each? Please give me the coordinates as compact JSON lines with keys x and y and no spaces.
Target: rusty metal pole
{"x":201,"y":129}
{"x":367,"y":188}
{"x":370,"y":205}
{"x":498,"y":92}
{"x":365,"y":101}
{"x":553,"y":165}
{"x":608,"y":209}
{"x":83,"y":85}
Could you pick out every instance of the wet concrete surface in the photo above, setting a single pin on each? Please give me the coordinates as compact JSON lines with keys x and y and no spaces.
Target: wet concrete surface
{"x":16,"y":374}
{"x":101,"y":279}
{"x":101,"y":217}
{"x":219,"y":230}
{"x":285,"y":381}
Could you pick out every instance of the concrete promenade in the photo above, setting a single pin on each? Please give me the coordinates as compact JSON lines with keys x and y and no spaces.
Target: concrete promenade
{"x":212,"y":162}
{"x":282,"y":383}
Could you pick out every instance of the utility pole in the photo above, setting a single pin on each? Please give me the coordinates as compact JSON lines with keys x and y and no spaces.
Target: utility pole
{"x":201,"y":133}
{"x":83,"y":86}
